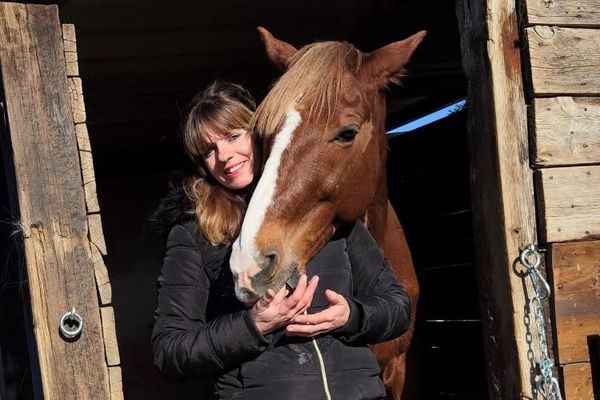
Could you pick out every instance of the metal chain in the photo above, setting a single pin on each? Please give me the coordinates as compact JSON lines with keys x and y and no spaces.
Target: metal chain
{"x":546,"y":384}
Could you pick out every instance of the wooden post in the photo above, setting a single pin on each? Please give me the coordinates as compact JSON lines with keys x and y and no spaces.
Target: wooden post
{"x":501,"y":187}
{"x":51,"y":201}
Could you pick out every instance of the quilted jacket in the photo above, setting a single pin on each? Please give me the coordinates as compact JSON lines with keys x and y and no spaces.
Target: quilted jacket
{"x":201,"y":329}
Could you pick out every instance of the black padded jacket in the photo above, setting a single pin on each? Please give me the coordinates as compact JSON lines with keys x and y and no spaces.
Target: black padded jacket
{"x":201,"y":328}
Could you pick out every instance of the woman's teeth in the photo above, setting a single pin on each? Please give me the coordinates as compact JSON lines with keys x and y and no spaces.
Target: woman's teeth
{"x":234,"y":168}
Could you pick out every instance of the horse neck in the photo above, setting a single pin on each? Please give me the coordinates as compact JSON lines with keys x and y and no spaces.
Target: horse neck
{"x":376,"y":216}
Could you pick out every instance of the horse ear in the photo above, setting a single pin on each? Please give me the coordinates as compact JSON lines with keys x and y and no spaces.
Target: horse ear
{"x":278,"y":51}
{"x":387,"y":63}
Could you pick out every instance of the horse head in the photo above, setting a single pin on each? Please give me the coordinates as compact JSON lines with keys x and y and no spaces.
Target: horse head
{"x":322,"y":128}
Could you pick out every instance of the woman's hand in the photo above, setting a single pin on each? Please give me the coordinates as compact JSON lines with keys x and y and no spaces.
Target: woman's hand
{"x":274,"y":310}
{"x":333,"y":317}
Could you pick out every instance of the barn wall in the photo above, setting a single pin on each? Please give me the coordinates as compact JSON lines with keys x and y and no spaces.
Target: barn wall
{"x":563,"y":55}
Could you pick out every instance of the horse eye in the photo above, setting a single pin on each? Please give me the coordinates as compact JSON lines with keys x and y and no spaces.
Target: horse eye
{"x":346,"y":135}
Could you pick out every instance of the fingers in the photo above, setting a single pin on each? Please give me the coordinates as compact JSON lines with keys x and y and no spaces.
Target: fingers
{"x":308,"y":330}
{"x":296,"y":296}
{"x":307,"y":296}
{"x":301,"y":299}
{"x":267,"y":299}
{"x":321,"y":317}
{"x":280,"y":295}
{"x":334,"y":297}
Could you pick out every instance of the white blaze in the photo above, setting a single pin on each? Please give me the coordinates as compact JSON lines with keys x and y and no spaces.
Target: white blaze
{"x":244,"y":254}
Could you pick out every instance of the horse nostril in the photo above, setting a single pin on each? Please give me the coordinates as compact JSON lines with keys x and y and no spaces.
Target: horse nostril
{"x":271,"y":260}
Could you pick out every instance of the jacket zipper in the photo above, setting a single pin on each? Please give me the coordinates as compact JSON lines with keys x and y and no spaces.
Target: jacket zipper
{"x":323,"y":371}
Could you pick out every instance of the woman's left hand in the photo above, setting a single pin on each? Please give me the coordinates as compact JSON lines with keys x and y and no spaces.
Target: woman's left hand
{"x":333,"y":317}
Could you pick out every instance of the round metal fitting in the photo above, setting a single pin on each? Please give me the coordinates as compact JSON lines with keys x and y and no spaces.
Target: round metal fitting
{"x":71,"y":324}
{"x":530,"y":251}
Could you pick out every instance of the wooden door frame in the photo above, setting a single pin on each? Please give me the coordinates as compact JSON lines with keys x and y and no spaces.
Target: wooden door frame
{"x":502,"y":188}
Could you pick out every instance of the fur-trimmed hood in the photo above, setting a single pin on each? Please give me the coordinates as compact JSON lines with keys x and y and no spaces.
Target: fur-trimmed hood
{"x":173,"y":208}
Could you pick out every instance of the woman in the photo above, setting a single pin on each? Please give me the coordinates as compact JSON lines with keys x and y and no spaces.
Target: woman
{"x":266,"y":350}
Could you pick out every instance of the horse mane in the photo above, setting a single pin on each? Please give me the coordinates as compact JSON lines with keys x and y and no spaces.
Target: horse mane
{"x":314,"y":77}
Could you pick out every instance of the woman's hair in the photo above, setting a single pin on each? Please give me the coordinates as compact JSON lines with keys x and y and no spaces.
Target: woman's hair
{"x":221,"y":107}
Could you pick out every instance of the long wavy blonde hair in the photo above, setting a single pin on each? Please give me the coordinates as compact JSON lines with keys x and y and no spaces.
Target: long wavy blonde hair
{"x":221,"y":107}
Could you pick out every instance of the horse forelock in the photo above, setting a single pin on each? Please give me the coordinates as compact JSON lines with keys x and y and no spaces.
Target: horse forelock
{"x":312,"y":84}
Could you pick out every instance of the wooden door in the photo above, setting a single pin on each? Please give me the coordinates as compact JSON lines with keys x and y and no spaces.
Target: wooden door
{"x":535,"y":158}
{"x":56,"y":203}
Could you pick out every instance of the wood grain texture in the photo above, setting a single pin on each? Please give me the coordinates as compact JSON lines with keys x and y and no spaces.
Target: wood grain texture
{"x":563,"y":12}
{"x":70,"y":44}
{"x":102,"y":277}
{"x":564,"y":60}
{"x":110,"y":336}
{"x":566,"y":131}
{"x":83,"y":137}
{"x":51,"y":201}
{"x":577,"y":382}
{"x":77,"y":103}
{"x":576,"y":271}
{"x":96,"y":234}
{"x":569,"y":203}
{"x":501,"y":185}
{"x":89,"y":181}
{"x":116,"y":383}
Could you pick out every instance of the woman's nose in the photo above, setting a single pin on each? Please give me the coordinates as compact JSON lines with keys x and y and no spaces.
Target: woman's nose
{"x":224,"y":152}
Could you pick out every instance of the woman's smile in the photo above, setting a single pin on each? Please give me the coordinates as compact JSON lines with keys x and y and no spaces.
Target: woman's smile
{"x":230,"y":158}
{"x":235,"y":169}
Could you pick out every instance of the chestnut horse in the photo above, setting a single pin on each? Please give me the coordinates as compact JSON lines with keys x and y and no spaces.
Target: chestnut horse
{"x":322,"y":125}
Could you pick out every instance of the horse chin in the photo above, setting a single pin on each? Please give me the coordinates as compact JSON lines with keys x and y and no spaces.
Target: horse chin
{"x":262,"y":282}
{"x":247,"y":296}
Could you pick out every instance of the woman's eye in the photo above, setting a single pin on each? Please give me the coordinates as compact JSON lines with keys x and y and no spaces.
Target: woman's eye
{"x":234,"y":137}
{"x":346,"y":135}
{"x":208,"y":153}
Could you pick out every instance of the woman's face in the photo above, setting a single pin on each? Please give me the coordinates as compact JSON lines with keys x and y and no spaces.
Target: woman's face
{"x":230,"y":158}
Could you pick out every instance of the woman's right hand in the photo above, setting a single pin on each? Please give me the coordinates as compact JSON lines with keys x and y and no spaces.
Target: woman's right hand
{"x":274,"y":310}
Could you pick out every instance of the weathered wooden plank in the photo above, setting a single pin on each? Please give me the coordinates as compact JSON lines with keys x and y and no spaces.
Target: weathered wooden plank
{"x":70,"y":43}
{"x":51,"y":205}
{"x":577,"y":381}
{"x":102,"y":277}
{"x":576,"y":271}
{"x":116,"y":383}
{"x":110,"y":336}
{"x":96,"y":232}
{"x":89,"y":181}
{"x":77,"y":103}
{"x":83,"y":137}
{"x":501,"y":186}
{"x":569,"y":203}
{"x":566,"y":131}
{"x":564,"y":60}
{"x":563,"y":12}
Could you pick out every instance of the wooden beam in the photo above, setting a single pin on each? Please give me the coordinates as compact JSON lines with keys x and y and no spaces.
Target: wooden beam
{"x":564,"y":61}
{"x":568,"y":203}
{"x":577,"y":381}
{"x":565,"y":131}
{"x":110,"y":336}
{"x":51,"y":201}
{"x":102,"y":277}
{"x":116,"y":383}
{"x":70,"y":44}
{"x":96,"y":232}
{"x":563,"y":12}
{"x":501,"y":186}
{"x":576,"y":273}
{"x":77,"y":103}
